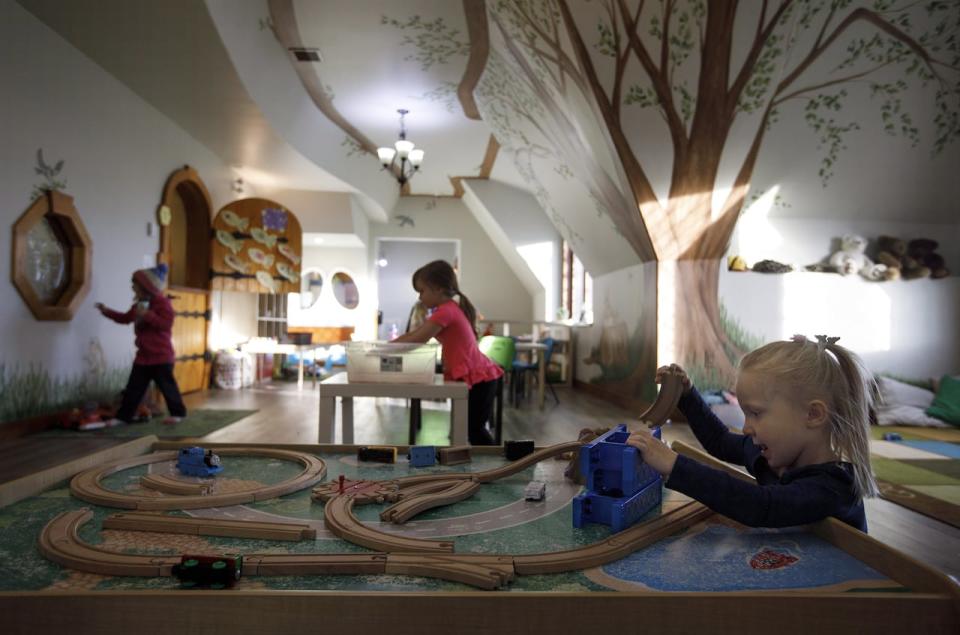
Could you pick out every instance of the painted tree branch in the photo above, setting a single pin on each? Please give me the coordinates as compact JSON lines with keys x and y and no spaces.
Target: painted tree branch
{"x":640,"y":185}
{"x":746,"y":70}
{"x":658,"y":79}
{"x":624,"y":215}
{"x":867,"y":16}
{"x":827,"y":84}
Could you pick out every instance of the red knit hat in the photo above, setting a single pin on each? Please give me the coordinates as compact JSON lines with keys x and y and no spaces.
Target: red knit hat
{"x":153,"y":280}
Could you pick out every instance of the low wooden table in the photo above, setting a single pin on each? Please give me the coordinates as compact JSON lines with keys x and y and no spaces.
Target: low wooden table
{"x":339,"y":386}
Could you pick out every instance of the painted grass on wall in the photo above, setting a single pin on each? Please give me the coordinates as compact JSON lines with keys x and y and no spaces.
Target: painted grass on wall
{"x":742,"y":343}
{"x":30,"y":392}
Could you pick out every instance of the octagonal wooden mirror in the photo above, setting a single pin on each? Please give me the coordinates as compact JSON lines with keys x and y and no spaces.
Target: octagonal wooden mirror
{"x":52,"y":257}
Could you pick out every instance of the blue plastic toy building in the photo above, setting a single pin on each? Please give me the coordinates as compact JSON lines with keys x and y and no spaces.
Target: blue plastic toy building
{"x":196,"y":461}
{"x":422,"y":455}
{"x":621,"y":488}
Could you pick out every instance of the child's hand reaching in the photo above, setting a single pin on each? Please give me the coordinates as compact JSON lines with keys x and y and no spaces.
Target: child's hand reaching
{"x":655,"y":453}
{"x":674,"y":369}
{"x":99,"y":306}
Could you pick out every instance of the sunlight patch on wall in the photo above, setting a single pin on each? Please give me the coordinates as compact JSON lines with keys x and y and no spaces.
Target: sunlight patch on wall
{"x":720,"y":195}
{"x":541,"y":260}
{"x":756,"y":237}
{"x":821,"y":304}
{"x":667,"y":312}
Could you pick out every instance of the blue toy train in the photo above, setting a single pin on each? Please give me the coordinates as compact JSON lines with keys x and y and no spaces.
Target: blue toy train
{"x":196,"y":461}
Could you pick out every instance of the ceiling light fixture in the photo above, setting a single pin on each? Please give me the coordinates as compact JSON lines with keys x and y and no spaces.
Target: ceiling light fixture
{"x":403,"y":159}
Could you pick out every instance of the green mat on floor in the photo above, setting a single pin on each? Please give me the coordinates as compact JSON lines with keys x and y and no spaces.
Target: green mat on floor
{"x":929,"y":485}
{"x":197,"y":423}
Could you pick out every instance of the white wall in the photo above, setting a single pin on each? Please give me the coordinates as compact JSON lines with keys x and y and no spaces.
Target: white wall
{"x":117,"y":150}
{"x":233,"y":319}
{"x":904,"y":327}
{"x":327,"y":311}
{"x":484,"y":275}
{"x":526,"y":237}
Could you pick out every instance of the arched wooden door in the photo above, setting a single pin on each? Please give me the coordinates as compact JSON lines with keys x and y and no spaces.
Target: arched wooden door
{"x":184,"y":217}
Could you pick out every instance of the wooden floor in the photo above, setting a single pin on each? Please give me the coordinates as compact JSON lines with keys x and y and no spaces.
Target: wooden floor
{"x":287,"y":415}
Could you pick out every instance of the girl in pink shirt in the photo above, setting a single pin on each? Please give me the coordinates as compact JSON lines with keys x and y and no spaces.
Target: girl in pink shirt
{"x":453,"y":325}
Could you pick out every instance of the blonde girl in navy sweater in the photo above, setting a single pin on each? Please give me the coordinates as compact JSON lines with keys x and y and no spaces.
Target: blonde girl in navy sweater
{"x":805,"y":438}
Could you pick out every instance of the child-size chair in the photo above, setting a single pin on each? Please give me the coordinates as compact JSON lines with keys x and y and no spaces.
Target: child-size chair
{"x":501,"y":351}
{"x":520,"y":369}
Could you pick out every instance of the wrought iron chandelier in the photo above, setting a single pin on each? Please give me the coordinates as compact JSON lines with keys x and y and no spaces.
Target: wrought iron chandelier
{"x":403,"y":159}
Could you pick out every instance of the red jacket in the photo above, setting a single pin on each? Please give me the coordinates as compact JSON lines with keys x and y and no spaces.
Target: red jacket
{"x":153,"y":330}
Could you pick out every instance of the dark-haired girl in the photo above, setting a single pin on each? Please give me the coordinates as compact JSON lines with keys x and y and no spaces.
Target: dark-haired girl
{"x":454,"y":325}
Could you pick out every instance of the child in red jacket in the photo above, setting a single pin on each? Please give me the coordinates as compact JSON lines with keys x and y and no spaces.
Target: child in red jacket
{"x":152,"y":315}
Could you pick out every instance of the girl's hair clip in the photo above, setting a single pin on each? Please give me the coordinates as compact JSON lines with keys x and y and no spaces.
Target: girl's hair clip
{"x":799,"y":339}
{"x":823,"y":341}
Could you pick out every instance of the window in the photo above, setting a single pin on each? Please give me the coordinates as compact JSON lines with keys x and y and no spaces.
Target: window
{"x":52,"y":257}
{"x":576,"y":289}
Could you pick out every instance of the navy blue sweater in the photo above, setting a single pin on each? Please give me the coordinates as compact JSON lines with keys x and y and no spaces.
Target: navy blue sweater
{"x":798,"y":497}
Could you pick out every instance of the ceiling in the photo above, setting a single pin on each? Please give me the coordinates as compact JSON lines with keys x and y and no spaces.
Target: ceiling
{"x":222,"y":70}
{"x":406,"y":61}
{"x":192,"y":82}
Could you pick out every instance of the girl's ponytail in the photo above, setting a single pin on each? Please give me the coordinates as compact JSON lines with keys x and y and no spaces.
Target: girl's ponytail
{"x":851,"y":425}
{"x":468,"y":310}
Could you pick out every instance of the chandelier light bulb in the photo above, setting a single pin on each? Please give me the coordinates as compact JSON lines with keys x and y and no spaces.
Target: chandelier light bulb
{"x":416,"y":158}
{"x":386,"y":155}
{"x":403,"y":148}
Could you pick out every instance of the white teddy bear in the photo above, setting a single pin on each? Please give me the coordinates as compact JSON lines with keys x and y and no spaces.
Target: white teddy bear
{"x":851,"y":259}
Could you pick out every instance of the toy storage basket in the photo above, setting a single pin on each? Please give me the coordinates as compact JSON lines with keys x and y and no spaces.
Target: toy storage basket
{"x":383,"y":362}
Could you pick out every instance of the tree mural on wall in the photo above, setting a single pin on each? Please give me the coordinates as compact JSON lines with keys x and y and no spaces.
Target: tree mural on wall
{"x":677,"y":58}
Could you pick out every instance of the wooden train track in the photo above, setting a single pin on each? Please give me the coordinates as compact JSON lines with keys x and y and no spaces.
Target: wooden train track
{"x":60,"y":542}
{"x":406,"y":509}
{"x":87,"y":485}
{"x":151,"y":521}
{"x":396,"y":554}
{"x":169,"y":485}
{"x":338,"y":515}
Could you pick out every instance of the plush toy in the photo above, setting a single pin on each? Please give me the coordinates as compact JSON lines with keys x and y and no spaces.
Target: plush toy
{"x":892,"y":252}
{"x":851,"y":259}
{"x":924,"y":251}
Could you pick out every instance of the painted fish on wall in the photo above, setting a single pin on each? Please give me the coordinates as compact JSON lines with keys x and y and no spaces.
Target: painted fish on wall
{"x":234,"y":221}
{"x":228,"y":241}
{"x":263,"y":237}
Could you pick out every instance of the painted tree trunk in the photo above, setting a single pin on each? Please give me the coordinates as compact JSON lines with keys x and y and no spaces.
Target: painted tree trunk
{"x":701,"y":345}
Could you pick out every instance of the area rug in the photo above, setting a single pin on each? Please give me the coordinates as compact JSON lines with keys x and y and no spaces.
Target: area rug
{"x":197,"y":423}
{"x":920,"y":470}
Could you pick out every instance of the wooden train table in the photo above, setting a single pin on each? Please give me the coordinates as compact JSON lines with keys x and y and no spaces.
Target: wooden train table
{"x":390,"y":546}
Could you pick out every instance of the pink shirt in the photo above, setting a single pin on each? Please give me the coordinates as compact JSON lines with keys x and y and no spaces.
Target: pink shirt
{"x":462,"y":360}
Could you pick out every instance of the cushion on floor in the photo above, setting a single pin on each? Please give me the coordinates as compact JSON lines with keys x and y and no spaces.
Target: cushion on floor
{"x":946,"y":404}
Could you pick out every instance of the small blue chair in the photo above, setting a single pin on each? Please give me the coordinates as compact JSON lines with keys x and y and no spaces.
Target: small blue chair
{"x":520,"y":369}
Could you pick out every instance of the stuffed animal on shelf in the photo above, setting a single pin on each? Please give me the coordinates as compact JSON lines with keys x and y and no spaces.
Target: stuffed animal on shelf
{"x":892,"y":252}
{"x":923,"y":250}
{"x":851,"y":259}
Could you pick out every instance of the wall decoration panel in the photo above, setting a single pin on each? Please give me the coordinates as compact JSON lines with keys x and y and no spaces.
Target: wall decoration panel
{"x":256,"y":247}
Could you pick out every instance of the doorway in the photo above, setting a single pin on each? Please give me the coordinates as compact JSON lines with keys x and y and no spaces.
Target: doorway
{"x":184,"y":218}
